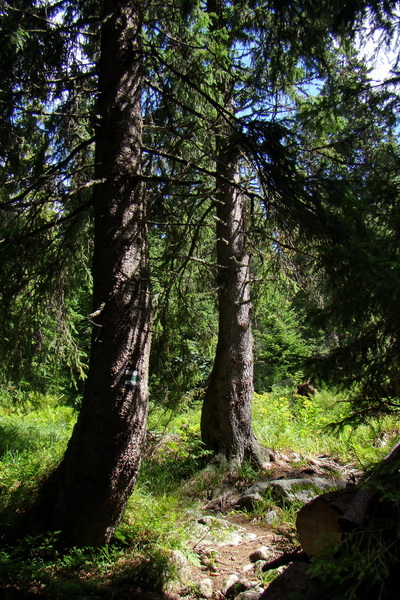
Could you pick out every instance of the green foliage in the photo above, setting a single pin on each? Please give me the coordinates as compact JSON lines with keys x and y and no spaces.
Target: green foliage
{"x":176,"y":453}
{"x":282,"y":419}
{"x":45,"y":176}
{"x":184,"y":331}
{"x":365,"y":565}
{"x":32,"y":442}
{"x":171,"y":483}
{"x":281,"y":345}
{"x":38,"y":565}
{"x":354,"y":292}
{"x":327,"y":180}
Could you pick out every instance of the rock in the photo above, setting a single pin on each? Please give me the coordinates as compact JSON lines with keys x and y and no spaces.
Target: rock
{"x":293,"y":582}
{"x":237,"y":586}
{"x":305,"y":489}
{"x":229,"y":583}
{"x":249,"y":585}
{"x":182,"y":566}
{"x":208,"y":561}
{"x":205,"y":587}
{"x":225,"y":500}
{"x":261,"y":553}
{"x":254,"y":594}
{"x":271,"y":517}
{"x":249,"y":568}
{"x":249,"y":501}
{"x":302,"y":489}
{"x":258,"y":488}
{"x":212,"y":531}
{"x":183,"y":573}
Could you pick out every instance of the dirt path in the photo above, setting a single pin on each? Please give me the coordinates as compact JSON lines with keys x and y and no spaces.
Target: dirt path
{"x":235,"y":559}
{"x":221,"y":560}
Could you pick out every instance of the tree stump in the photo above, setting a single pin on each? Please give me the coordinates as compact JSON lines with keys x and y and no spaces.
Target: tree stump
{"x":318,"y":522}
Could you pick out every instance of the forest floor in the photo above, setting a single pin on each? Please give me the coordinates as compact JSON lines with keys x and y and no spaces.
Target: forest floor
{"x":229,"y":559}
{"x":176,"y":499}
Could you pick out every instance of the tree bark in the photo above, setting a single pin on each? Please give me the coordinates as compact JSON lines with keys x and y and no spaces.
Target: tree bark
{"x":87,"y":494}
{"x":226,"y":412}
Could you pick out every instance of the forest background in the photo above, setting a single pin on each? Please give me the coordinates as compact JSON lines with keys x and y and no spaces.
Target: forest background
{"x":138,"y":144}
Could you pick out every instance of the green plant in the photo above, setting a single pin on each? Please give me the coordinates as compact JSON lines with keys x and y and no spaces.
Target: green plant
{"x":284,"y":420}
{"x":362,"y":567}
{"x":32,"y":441}
{"x":247,"y":473}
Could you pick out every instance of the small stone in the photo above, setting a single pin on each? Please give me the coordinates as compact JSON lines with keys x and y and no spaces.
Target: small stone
{"x":271,"y":517}
{"x":261,"y":553}
{"x":248,"y":585}
{"x":228,"y":583}
{"x":236,"y":586}
{"x":205,"y":588}
{"x":247,"y":569}
{"x":254,"y":594}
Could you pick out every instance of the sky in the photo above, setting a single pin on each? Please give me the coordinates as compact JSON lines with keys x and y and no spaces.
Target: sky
{"x":380,"y":57}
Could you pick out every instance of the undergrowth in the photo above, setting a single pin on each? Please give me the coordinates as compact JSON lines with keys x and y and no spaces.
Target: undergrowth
{"x":285,"y":421}
{"x":173,"y":482}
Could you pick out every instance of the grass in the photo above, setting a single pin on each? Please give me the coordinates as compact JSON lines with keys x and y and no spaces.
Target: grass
{"x":172,"y":483}
{"x":285,"y":421}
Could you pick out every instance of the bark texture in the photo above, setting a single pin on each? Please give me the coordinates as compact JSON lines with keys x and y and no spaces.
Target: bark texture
{"x":87,"y":495}
{"x":226,"y":414}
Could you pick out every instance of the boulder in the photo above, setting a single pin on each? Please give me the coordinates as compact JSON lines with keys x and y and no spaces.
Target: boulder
{"x":303,"y":489}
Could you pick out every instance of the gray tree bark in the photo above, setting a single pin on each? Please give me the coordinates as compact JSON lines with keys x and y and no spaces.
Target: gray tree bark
{"x":226,"y":412}
{"x":86,"y":496}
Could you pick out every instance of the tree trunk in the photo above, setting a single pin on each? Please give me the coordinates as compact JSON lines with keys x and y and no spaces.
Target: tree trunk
{"x":86,"y":496}
{"x":226,"y":414}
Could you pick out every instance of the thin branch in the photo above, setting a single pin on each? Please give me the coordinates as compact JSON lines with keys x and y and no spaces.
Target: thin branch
{"x":53,"y":223}
{"x":45,"y":176}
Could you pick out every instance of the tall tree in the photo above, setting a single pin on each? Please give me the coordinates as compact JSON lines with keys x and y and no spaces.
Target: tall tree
{"x":264,"y":64}
{"x":357,"y":156}
{"x":249,"y":65}
{"x":86,"y":495}
{"x":226,"y":412}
